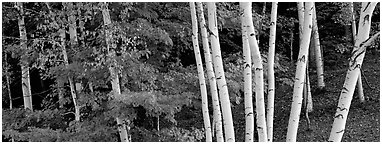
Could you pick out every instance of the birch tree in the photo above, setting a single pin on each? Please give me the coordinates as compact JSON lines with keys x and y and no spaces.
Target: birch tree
{"x":258,"y":66}
{"x":271,"y":72}
{"x":354,"y":35}
{"x":202,"y":81}
{"x":248,"y":105}
{"x":220,"y":76}
{"x":355,"y":63}
{"x":300,"y":74}
{"x":217,"y":120}
{"x":317,"y":52}
{"x":25,"y":77}
{"x":122,"y":127}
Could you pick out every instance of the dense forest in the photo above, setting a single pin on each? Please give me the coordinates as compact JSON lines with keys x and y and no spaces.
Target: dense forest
{"x":186,"y":71}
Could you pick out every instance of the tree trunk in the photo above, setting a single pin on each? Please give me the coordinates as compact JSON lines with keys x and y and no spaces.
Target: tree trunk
{"x":271,"y":73}
{"x":354,"y":35}
{"x":8,"y":80}
{"x":258,"y":66}
{"x":202,"y":81}
{"x":317,"y":48}
{"x":352,"y":75}
{"x":219,"y":71}
{"x":217,"y":118}
{"x":248,"y":105}
{"x":300,"y":75}
{"x":25,"y":77}
{"x":122,"y":127}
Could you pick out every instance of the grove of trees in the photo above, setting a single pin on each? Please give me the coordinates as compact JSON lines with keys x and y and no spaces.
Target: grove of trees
{"x":190,"y":71}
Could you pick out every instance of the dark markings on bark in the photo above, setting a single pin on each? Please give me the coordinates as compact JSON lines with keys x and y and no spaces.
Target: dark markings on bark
{"x":341,"y":109}
{"x":251,"y":113}
{"x":366,"y":18}
{"x":355,"y":58}
{"x":302,"y":59}
{"x":272,"y":23}
{"x":209,"y":31}
{"x":252,"y":34}
{"x":247,"y":66}
{"x":357,"y":66}
{"x":345,"y":89}
{"x":366,"y":6}
{"x":230,"y":139}
{"x":258,"y":69}
{"x":259,"y":127}
{"x":219,"y":77}
{"x":339,"y":115}
{"x":341,"y":131}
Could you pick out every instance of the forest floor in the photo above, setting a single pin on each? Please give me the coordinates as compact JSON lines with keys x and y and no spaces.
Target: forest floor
{"x":363,"y":122}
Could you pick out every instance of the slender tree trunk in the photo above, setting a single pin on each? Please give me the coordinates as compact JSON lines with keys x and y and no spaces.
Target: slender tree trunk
{"x":217,"y":117}
{"x":362,"y":41}
{"x":25,"y":77}
{"x":354,"y":35}
{"x":291,"y":44}
{"x":202,"y":81}
{"x":258,"y":66}
{"x":122,"y":127}
{"x":300,"y":75}
{"x":317,"y":48}
{"x":248,"y":105}
{"x":8,"y":80}
{"x":271,"y":72}
{"x":219,"y":71}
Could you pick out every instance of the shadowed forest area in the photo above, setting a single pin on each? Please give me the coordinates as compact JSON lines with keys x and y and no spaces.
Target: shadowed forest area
{"x":182,"y":71}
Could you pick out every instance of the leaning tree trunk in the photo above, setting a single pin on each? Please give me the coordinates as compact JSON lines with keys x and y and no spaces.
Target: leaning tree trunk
{"x":25,"y":77}
{"x":356,"y":59}
{"x":202,"y":80}
{"x":354,"y":35}
{"x":317,"y":52}
{"x":271,"y":72}
{"x":300,"y":74}
{"x":258,"y":66}
{"x":248,"y":105}
{"x":122,"y":127}
{"x":219,"y":71}
{"x":217,"y":120}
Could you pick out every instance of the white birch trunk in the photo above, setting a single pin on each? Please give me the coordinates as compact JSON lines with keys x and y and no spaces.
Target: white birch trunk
{"x":248,"y":105}
{"x":217,"y":117}
{"x":258,"y":66}
{"x":122,"y":127}
{"x":354,"y":34}
{"x":220,"y":76}
{"x":317,"y":52}
{"x":202,"y":80}
{"x":271,"y":72}
{"x":300,"y":75}
{"x":25,"y":77}
{"x":352,"y":75}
